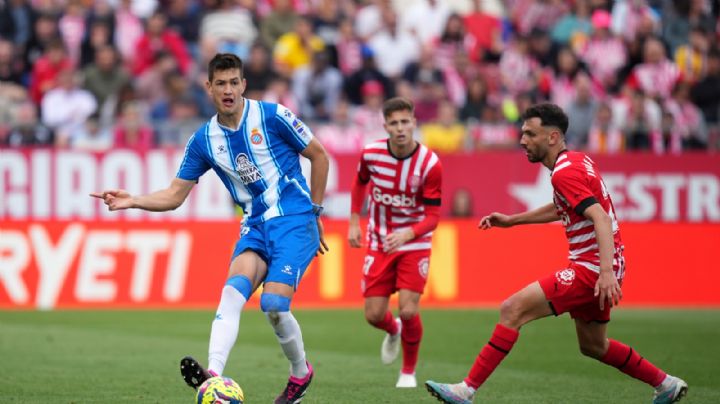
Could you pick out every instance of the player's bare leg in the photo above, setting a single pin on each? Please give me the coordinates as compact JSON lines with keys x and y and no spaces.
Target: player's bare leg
{"x":378,"y":315}
{"x":593,"y":341}
{"x":521,"y":308}
{"x":410,"y":336}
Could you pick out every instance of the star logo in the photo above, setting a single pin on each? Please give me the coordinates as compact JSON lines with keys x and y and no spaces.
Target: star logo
{"x":534,"y":195}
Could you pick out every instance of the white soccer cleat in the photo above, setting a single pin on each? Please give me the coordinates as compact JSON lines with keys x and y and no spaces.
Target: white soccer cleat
{"x":406,"y":381}
{"x":391,"y":346}
{"x":450,"y":393}
{"x":670,"y":391}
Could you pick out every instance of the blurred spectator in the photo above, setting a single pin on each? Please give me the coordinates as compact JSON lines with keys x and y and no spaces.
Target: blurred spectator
{"x":348,"y":48}
{"x":705,"y":95}
{"x":150,"y":85}
{"x":393,"y":48}
{"x":629,"y":15}
{"x":45,"y":31}
{"x":128,"y":31}
{"x":424,"y":20}
{"x":132,"y":130}
{"x":369,"y":19}
{"x":540,"y":47}
{"x":367,"y":72}
{"x":227,"y":29}
{"x":688,"y":120}
{"x":424,"y":69}
{"x":72,"y":28}
{"x":11,"y":68}
{"x":257,"y":71}
{"x":603,"y":53}
{"x":485,"y":29}
{"x":279,"y":92}
{"x":182,"y":122}
{"x":520,"y":72}
{"x":462,"y":204}
{"x":445,"y":134}
{"x":574,"y":24}
{"x":65,"y":108}
{"x":105,"y":76}
{"x":92,"y":136}
{"x":476,"y":100}
{"x":47,"y":68}
{"x":642,"y":122}
{"x":681,"y":17}
{"x":159,"y":38}
{"x":341,"y":135}
{"x":16,"y":21}
{"x":582,"y":110}
{"x":26,"y":130}
{"x":605,"y":136}
{"x":691,"y":58}
{"x":99,"y":35}
{"x":368,"y":117}
{"x":278,"y":23}
{"x":559,"y":82}
{"x":452,"y":41}
{"x":100,"y":12}
{"x":317,"y":88}
{"x":428,"y":94}
{"x":669,"y":140}
{"x":657,"y":75}
{"x":493,"y":131}
{"x":184,"y":16}
{"x":326,"y":18}
{"x":536,"y":14}
{"x":295,"y":49}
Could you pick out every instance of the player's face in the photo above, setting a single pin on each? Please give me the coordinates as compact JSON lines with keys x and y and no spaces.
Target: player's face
{"x":400,"y":126}
{"x":226,"y":90}
{"x":535,"y":140}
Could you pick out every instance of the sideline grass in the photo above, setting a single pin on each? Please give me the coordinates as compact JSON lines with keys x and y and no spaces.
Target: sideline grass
{"x":131,"y":357}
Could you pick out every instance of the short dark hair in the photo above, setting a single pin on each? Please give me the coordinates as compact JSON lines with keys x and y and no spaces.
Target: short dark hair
{"x":397,"y":104}
{"x":224,"y":61}
{"x":549,"y":114}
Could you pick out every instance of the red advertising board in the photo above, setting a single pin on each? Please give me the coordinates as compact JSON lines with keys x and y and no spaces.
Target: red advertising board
{"x":95,"y":264}
{"x":53,"y":185}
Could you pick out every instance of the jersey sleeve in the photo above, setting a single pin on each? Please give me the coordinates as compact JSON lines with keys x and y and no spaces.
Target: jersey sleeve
{"x":432,"y":189}
{"x":363,"y":171}
{"x":572,"y":184}
{"x":194,"y":163}
{"x":292,"y":129}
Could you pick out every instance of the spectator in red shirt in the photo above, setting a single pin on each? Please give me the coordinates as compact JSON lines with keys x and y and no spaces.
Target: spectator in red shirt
{"x":158,"y":38}
{"x":46,"y":69}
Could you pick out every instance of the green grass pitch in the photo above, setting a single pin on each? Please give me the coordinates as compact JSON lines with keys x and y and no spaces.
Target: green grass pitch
{"x":132,"y":357}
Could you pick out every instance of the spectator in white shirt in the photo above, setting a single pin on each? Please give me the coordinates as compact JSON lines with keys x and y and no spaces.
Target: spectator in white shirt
{"x":66,"y":107}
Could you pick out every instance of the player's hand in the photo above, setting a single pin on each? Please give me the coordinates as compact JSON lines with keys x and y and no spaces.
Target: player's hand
{"x":116,"y":199}
{"x":397,"y":239}
{"x":494,"y":219}
{"x":608,"y":288}
{"x":321,"y":231}
{"x":355,"y":236}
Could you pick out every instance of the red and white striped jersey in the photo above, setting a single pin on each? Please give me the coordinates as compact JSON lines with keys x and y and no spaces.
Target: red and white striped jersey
{"x":399,"y":190}
{"x":576,"y":186}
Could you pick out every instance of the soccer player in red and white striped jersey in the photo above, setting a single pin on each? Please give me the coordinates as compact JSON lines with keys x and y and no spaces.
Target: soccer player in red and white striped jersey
{"x":590,"y":284}
{"x":404,"y":178}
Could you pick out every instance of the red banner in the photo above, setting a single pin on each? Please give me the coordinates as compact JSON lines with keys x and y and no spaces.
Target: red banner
{"x":55,"y":264}
{"x":53,"y":185}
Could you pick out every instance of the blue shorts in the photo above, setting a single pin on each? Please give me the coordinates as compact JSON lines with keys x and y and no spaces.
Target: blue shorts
{"x":286,"y":243}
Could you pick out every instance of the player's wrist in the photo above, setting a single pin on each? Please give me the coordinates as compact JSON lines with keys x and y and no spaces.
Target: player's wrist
{"x":317,"y":209}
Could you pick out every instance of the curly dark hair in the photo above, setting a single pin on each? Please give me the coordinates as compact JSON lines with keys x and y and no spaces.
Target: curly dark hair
{"x":549,"y":114}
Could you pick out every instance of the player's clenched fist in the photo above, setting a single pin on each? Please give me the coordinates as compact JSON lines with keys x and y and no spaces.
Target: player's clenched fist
{"x":116,"y":199}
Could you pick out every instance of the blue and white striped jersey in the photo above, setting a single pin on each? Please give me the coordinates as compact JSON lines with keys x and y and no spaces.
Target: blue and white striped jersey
{"x":259,"y":163}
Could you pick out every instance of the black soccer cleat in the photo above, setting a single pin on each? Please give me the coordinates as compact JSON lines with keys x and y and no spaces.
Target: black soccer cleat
{"x":192,"y":372}
{"x":295,"y":389}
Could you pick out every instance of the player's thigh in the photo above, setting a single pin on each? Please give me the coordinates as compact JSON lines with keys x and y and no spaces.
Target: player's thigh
{"x":525,"y":305}
{"x":249,"y":264}
{"x":294,"y":241}
{"x":412,"y":270}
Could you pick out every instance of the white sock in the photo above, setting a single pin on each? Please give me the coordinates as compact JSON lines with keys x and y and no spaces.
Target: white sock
{"x":225,"y":328}
{"x":289,"y":336}
{"x":665,"y":383}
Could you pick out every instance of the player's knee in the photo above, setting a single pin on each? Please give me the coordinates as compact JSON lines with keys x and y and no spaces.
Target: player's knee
{"x":407,"y":313}
{"x":510,"y":313}
{"x":272,"y":303}
{"x":592,"y":350}
{"x":374,"y":316}
{"x":242,"y":284}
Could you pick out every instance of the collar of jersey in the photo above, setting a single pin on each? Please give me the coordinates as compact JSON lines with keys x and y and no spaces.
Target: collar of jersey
{"x":417,"y":146}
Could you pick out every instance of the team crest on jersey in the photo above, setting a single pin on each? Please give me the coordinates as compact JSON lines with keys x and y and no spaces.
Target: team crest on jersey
{"x":566,"y":276}
{"x":256,"y":137}
{"x":414,"y":182}
{"x":424,"y":266}
{"x":249,"y":173}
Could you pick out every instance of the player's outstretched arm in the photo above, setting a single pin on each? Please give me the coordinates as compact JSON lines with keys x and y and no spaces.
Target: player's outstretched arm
{"x":159,"y":201}
{"x":543,"y":214}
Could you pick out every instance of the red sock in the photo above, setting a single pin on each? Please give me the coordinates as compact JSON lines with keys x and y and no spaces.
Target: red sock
{"x":387,"y":324}
{"x":628,"y":361}
{"x":500,"y":344}
{"x":410,"y":336}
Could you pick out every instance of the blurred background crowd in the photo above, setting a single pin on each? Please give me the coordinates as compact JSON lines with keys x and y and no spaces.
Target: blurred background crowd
{"x":632,"y":74}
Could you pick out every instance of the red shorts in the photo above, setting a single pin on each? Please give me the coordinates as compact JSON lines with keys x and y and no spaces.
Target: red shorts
{"x":384,"y":274}
{"x":573,"y":290}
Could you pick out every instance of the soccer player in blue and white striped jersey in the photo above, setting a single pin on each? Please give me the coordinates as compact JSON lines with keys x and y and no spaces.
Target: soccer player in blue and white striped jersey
{"x":255,"y":148}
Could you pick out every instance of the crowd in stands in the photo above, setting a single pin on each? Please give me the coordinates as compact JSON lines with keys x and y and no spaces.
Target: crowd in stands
{"x":632,"y":74}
